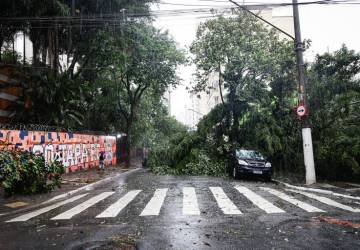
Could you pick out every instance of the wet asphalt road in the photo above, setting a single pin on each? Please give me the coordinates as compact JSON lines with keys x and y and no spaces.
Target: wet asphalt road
{"x":254,"y":228}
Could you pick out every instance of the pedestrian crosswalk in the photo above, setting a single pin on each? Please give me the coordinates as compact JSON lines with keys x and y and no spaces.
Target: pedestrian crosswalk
{"x":190,"y":203}
{"x":223,"y":201}
{"x":264,"y":198}
{"x":326,"y":201}
{"x":155,"y":204}
{"x":116,"y":208}
{"x":259,"y":201}
{"x":300,"y":204}
{"x":81,"y":207}
{"x":30,"y":215}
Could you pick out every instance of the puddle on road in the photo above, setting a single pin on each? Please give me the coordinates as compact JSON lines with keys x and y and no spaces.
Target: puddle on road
{"x":103,"y":245}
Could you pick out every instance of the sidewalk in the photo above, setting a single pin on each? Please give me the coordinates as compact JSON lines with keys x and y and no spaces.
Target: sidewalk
{"x":70,"y":181}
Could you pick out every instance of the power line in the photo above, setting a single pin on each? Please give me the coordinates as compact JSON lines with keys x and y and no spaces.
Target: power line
{"x":116,"y":17}
{"x":268,"y":4}
{"x":116,"y":20}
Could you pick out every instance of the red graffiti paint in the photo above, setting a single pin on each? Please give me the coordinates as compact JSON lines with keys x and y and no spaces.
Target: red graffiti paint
{"x":74,"y":151}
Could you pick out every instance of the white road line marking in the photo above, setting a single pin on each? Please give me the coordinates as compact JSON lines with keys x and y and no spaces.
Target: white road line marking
{"x":259,"y":201}
{"x":321,"y":191}
{"x":81,"y":207}
{"x":30,"y":215}
{"x":300,"y":204}
{"x":116,"y":208}
{"x":226,"y":205}
{"x":326,"y":200}
{"x":154,"y":205}
{"x":190,"y":204}
{"x":8,"y":97}
{"x":90,"y":186}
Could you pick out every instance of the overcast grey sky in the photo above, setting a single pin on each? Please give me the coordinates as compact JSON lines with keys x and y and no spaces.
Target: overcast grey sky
{"x":327,"y":26}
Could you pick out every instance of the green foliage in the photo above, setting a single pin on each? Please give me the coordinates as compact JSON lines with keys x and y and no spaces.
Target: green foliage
{"x":182,"y":155}
{"x":334,"y":97}
{"x":200,"y":163}
{"x":25,"y":173}
{"x":52,"y":99}
{"x":137,"y":66}
{"x":10,"y":57}
{"x":259,"y":76}
{"x":65,"y":94}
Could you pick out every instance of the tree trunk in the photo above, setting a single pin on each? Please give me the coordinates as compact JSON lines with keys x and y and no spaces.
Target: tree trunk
{"x":13,"y":48}
{"x":128,"y":148}
{"x":53,"y":48}
{"x":231,"y":113}
{"x":1,"y":43}
{"x":36,"y":49}
{"x":129,"y":124}
{"x":220,"y":86}
{"x":43,"y":55}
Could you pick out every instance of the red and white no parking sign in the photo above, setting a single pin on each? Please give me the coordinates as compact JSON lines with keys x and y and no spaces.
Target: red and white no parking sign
{"x":301,"y":110}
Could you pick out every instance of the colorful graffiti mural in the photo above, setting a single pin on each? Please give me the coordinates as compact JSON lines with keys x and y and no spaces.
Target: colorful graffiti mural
{"x":75,"y":151}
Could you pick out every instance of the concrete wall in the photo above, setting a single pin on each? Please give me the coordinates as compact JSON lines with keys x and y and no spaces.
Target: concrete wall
{"x":75,"y":151}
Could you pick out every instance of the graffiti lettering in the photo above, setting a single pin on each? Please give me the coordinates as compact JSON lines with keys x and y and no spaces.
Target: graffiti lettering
{"x":72,"y":150}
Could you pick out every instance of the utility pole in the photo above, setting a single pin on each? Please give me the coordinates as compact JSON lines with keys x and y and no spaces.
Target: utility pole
{"x":310,"y":176}
{"x":305,"y":130}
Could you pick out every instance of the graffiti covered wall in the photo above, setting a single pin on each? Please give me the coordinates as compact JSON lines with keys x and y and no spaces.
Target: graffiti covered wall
{"x":75,"y":151}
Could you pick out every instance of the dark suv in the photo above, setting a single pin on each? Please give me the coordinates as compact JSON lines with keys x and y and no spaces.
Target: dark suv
{"x":250,"y":162}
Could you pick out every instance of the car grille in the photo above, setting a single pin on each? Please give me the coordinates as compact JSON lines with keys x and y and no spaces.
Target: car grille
{"x":256,"y":164}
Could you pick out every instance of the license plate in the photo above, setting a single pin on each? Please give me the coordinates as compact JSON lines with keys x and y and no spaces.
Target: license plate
{"x":257,"y":172}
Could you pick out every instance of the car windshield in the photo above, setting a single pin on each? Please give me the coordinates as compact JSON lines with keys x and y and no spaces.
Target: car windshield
{"x":249,"y":154}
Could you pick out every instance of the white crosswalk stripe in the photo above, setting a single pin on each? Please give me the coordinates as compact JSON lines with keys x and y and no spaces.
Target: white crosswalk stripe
{"x":154,"y":205}
{"x":119,"y":205}
{"x":43,"y":210}
{"x":81,"y":207}
{"x":190,"y":204}
{"x":300,"y":204}
{"x":326,"y":200}
{"x":223,"y":201}
{"x":259,"y":201}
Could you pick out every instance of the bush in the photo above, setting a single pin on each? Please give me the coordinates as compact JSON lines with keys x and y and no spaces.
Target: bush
{"x":23,"y":172}
{"x":202,"y":164}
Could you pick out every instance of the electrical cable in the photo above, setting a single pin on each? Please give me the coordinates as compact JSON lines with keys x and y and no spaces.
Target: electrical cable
{"x":116,"y":17}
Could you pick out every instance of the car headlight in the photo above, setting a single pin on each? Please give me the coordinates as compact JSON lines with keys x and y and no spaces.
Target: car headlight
{"x":268,"y":165}
{"x":242,"y":162}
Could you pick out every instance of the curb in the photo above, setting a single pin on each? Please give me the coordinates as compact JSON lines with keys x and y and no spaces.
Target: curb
{"x":320,"y":191}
